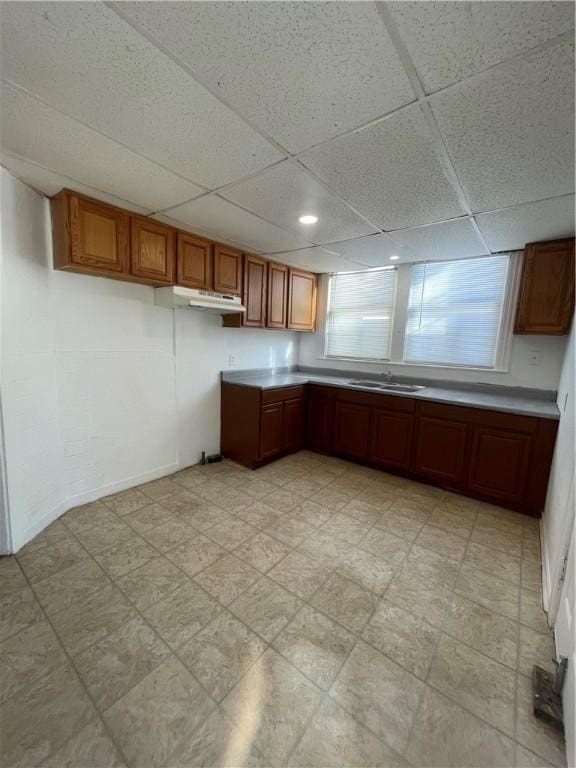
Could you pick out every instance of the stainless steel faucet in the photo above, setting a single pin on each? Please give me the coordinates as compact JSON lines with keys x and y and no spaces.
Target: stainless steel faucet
{"x":387,"y":376}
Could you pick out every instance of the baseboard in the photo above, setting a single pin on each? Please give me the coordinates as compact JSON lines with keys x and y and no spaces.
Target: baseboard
{"x":86,"y":497}
{"x":545,"y":557}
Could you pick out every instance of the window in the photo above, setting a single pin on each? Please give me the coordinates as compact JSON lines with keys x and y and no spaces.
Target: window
{"x":359,"y":315}
{"x":455,"y":312}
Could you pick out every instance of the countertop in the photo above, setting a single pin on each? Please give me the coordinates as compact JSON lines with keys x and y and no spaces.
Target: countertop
{"x":488,"y":397}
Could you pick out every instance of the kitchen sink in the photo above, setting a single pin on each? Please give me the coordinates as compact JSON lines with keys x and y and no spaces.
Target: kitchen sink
{"x":387,"y":386}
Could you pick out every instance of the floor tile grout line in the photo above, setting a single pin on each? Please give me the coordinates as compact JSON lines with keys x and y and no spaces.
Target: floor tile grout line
{"x":84,"y":688}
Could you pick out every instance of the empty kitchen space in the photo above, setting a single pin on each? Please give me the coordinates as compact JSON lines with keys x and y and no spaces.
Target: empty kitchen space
{"x":287,"y":368}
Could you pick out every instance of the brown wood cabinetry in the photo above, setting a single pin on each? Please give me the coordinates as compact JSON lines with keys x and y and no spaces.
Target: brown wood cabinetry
{"x":301,"y":300}
{"x":99,"y":239}
{"x":152,"y":251}
{"x":194,"y":262}
{"x":546,"y":298}
{"x":319,"y":418}
{"x":351,"y":424}
{"x":254,"y":293}
{"x":90,"y":236}
{"x":497,"y":457}
{"x":498,"y":466}
{"x":277,"y":302}
{"x":227,"y":270}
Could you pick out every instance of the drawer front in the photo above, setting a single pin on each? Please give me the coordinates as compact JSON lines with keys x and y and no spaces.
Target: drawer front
{"x":374,"y":400}
{"x":498,"y":419}
{"x":281,"y":394}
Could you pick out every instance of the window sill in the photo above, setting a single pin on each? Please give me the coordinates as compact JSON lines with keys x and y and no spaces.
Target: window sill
{"x":402,"y":364}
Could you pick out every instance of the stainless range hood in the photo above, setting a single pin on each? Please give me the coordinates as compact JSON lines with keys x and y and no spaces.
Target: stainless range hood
{"x":177,"y":297}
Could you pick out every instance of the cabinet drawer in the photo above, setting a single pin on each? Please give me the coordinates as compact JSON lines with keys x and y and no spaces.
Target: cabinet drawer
{"x":373,"y":400}
{"x":512,"y":421}
{"x":281,"y":394}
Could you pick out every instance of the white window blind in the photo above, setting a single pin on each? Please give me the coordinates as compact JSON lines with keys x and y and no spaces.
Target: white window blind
{"x":455,"y":312}
{"x":359,"y":316}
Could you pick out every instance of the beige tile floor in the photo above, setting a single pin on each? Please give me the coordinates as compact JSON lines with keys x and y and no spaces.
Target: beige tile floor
{"x":311,"y":613}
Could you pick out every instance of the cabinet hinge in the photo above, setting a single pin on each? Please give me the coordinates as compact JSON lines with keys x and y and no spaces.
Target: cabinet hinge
{"x":563,"y":569}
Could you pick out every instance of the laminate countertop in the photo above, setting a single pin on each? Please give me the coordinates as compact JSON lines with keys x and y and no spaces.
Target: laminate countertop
{"x":488,"y":397}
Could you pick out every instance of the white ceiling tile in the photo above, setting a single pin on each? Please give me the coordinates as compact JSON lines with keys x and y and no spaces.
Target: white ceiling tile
{"x":87,"y":62}
{"x":512,"y":228}
{"x":449,"y":41}
{"x":285,"y":192}
{"x":389,"y":172}
{"x":302,"y":72}
{"x":49,"y":183}
{"x":34,"y":131}
{"x":374,"y":250}
{"x":223,"y":220}
{"x":510,"y":131}
{"x":456,"y":239}
{"x":318,"y":260}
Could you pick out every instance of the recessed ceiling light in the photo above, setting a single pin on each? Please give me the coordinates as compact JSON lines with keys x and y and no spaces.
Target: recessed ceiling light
{"x":308,"y":219}
{"x":394,"y":258}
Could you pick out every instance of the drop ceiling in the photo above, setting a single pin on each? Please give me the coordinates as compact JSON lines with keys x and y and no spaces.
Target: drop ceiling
{"x":425,"y":130}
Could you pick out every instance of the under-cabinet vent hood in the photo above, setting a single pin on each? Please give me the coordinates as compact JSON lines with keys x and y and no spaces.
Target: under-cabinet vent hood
{"x":177,"y":297}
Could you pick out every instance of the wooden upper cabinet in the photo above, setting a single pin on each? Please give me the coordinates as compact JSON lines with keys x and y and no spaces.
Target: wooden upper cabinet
{"x":90,"y":236}
{"x":254,"y":294}
{"x":277,"y":306}
{"x":546,"y":299}
{"x":227,"y":270}
{"x":194,"y":262}
{"x":301,"y":300}
{"x":153,"y":247}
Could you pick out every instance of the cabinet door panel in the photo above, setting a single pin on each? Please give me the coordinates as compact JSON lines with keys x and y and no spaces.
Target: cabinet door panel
{"x":194,"y":262}
{"x":271,"y":429}
{"x":99,"y":236}
{"x":499,"y":464}
{"x":546,"y":300}
{"x":227,"y":270}
{"x":391,"y":438}
{"x":277,"y":295}
{"x":441,"y":450}
{"x":351,"y":424}
{"x":255,"y":291}
{"x":318,"y":421}
{"x":293,"y":435}
{"x":301,"y":300}
{"x":152,"y":251}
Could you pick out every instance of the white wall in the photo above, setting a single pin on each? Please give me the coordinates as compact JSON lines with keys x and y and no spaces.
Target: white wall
{"x":559,"y":509}
{"x":101,"y":389}
{"x":521,"y":372}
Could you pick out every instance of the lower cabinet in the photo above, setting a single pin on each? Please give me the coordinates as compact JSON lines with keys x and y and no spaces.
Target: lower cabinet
{"x":271,"y":430}
{"x":319,"y":418}
{"x":351,"y":425}
{"x":499,"y":462}
{"x":497,"y":457}
{"x":440,"y":451}
{"x":391,"y":441}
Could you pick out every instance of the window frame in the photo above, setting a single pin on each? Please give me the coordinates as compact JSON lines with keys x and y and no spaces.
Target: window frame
{"x":400,"y":318}
{"x":326,"y":303}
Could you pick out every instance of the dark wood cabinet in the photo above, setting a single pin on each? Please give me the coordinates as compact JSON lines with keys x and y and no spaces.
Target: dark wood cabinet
{"x":293,"y":429}
{"x":498,"y":457}
{"x":319,"y":418}
{"x":194,"y":262}
{"x":271,"y":430}
{"x":351,"y":423}
{"x":254,"y":293}
{"x":301,"y":300}
{"x":391,"y":441}
{"x":227,"y":270}
{"x":90,"y":237}
{"x":499,"y":462}
{"x":546,"y":297}
{"x":277,"y":300}
{"x":440,"y":450}
{"x":152,"y":251}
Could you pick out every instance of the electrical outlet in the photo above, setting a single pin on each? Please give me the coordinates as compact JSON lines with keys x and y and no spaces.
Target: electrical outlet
{"x":232,"y":360}
{"x":534,"y":357}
